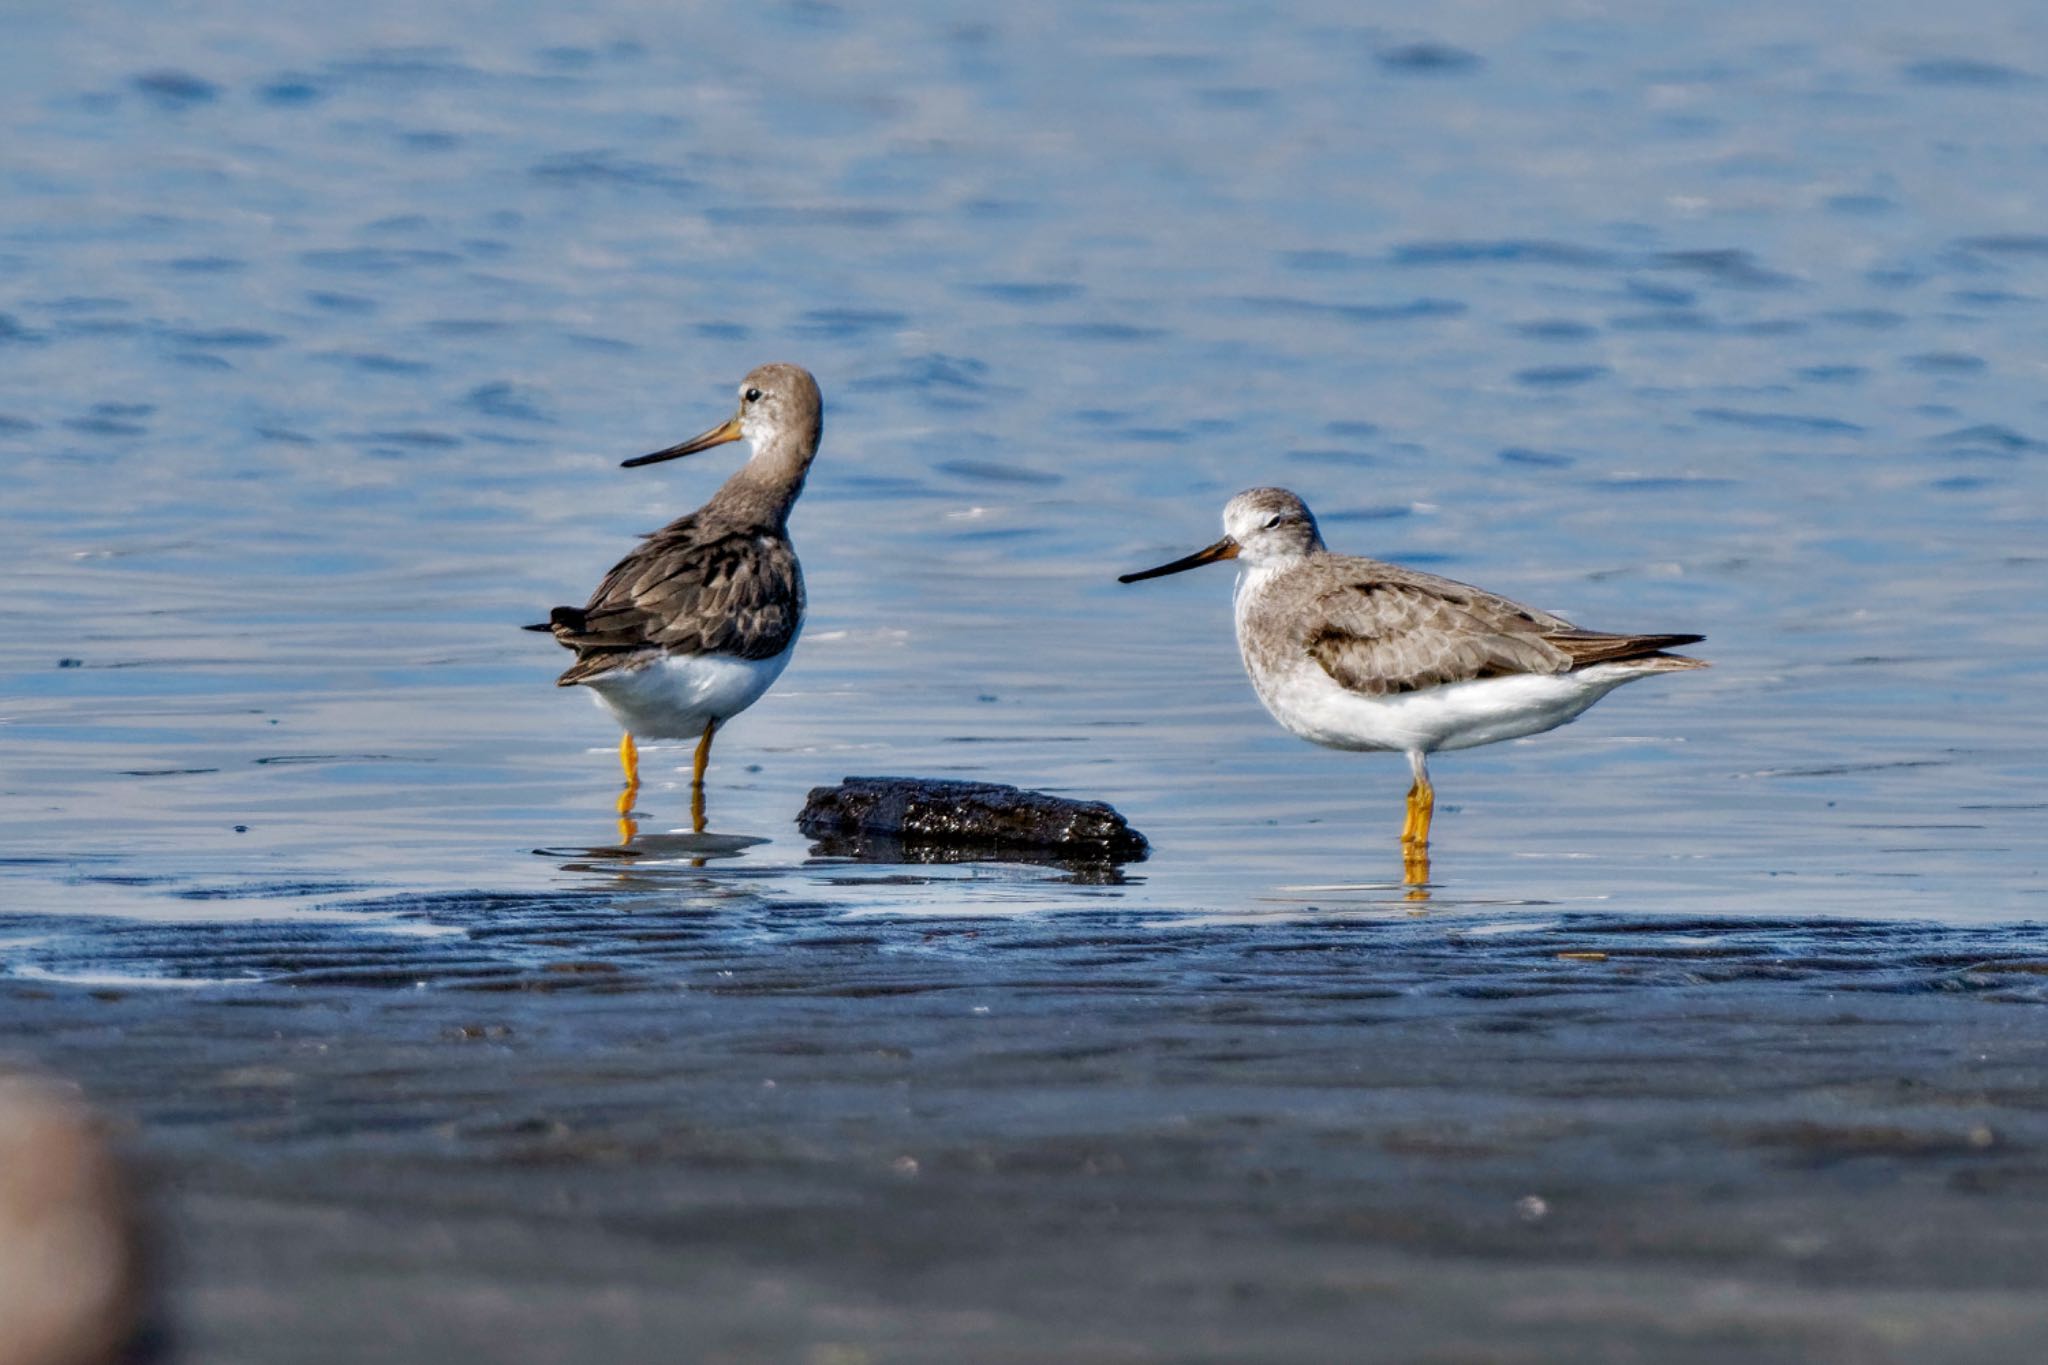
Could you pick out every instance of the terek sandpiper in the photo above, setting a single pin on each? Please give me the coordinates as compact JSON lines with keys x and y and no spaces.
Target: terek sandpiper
{"x":692,"y":627}
{"x":1351,"y":653}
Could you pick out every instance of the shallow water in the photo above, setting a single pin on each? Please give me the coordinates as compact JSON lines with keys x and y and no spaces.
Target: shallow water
{"x":321,"y":337}
{"x":322,"y":342}
{"x":605,"y":1123}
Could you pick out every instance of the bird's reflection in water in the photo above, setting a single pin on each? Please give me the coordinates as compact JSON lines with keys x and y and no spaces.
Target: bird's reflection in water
{"x":1412,"y":894}
{"x":913,"y":852}
{"x":636,"y":851}
{"x":649,"y":853}
{"x":1415,"y":870}
{"x":629,"y":797}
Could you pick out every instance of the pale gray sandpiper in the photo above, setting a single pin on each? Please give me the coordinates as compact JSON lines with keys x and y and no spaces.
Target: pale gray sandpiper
{"x":1351,"y":653}
{"x":692,"y":627}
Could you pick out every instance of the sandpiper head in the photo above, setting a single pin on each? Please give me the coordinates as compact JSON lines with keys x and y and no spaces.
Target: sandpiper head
{"x":1270,"y":524}
{"x":778,"y":403}
{"x":1260,"y":526}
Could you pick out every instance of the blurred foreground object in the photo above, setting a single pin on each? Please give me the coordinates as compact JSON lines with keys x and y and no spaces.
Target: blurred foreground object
{"x":70,"y":1267}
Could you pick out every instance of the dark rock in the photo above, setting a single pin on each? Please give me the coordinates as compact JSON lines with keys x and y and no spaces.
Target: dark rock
{"x":925,"y":818}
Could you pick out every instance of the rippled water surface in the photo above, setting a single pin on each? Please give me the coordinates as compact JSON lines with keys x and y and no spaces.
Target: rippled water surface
{"x":323,"y":331}
{"x":321,"y":339}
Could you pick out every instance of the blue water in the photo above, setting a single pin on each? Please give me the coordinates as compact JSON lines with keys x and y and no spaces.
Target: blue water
{"x":321,"y":336}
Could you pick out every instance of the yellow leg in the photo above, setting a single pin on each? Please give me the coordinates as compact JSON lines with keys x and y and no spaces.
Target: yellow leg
{"x":629,"y":760}
{"x":1422,"y":808}
{"x":697,"y":777}
{"x":1421,"y":802}
{"x":703,"y":754}
{"x":1415,"y":830}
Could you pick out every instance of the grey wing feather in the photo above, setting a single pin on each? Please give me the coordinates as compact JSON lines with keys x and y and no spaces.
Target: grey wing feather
{"x":1382,"y":630}
{"x":689,"y":589}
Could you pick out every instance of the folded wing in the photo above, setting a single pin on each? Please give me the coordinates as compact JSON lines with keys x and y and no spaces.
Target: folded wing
{"x":1383,"y":631}
{"x":688,"y":589}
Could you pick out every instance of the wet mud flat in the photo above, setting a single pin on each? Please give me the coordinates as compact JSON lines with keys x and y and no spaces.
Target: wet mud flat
{"x":692,"y":1121}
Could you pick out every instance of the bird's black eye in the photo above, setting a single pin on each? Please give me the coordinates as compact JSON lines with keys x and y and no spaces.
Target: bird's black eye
{"x":1275,"y":520}
{"x":753,"y":395}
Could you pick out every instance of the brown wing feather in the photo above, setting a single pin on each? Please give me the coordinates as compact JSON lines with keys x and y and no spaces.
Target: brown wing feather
{"x":1592,"y":647}
{"x":691,"y":588}
{"x":1386,"y":630}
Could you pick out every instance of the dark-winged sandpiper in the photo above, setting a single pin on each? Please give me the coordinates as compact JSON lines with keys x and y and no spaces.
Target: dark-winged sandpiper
{"x":1351,"y":653}
{"x":692,"y":627}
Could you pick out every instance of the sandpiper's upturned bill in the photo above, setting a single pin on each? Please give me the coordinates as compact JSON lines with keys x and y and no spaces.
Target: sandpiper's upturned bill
{"x":1351,"y":653}
{"x":692,"y":627}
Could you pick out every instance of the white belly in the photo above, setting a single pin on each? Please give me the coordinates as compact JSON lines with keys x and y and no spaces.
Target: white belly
{"x":1312,"y":705}
{"x":677,"y":696}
